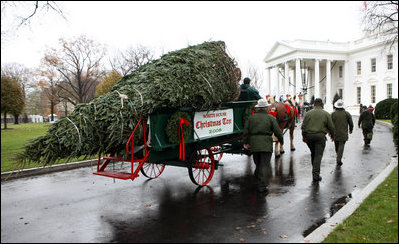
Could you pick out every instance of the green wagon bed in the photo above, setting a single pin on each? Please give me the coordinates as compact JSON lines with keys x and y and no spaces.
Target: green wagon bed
{"x":184,"y":137}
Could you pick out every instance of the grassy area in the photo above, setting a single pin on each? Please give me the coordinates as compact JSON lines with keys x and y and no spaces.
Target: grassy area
{"x":386,"y":120}
{"x":15,"y":137}
{"x":376,"y":220}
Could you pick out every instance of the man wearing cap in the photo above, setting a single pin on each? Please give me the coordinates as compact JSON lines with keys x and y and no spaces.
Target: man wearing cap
{"x":316,"y":124}
{"x":342,"y":119}
{"x":248,"y":92}
{"x":367,"y":120}
{"x":257,"y":137}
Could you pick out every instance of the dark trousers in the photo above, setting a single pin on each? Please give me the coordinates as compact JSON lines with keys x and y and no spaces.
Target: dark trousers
{"x":262,"y":162}
{"x":316,"y":144}
{"x":367,"y":135}
{"x":339,"y":149}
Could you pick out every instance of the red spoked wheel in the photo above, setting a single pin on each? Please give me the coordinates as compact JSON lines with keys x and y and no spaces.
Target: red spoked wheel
{"x":152,"y":170}
{"x":217,"y":156}
{"x":202,"y":166}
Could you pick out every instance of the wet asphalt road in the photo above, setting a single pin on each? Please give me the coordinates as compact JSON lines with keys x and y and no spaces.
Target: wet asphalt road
{"x":77,"y":206}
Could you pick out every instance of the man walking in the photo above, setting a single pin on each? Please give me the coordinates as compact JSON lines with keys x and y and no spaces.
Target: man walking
{"x":342,"y":119}
{"x":257,"y":137}
{"x":367,"y":120}
{"x":316,"y":124}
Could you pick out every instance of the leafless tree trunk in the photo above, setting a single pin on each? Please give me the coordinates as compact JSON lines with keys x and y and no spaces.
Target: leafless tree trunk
{"x":381,"y":18}
{"x":49,"y":81}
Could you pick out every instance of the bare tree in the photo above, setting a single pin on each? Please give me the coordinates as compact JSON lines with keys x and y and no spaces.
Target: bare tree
{"x":49,"y":81}
{"x":24,"y":12}
{"x":381,"y":18}
{"x":255,"y":76}
{"x":131,"y":59}
{"x":79,"y":63}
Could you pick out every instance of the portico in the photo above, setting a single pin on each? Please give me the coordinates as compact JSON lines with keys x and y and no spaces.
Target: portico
{"x":301,"y":70}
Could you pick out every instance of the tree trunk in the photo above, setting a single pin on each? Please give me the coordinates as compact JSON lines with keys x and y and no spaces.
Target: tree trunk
{"x":16,"y":116}
{"x":25,"y":119}
{"x":52,"y":110}
{"x":65,"y":109}
{"x":5,"y":120}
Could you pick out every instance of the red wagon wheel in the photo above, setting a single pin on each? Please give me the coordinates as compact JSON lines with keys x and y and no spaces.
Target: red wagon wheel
{"x":152,"y":170}
{"x":216,"y":149}
{"x":202,"y":166}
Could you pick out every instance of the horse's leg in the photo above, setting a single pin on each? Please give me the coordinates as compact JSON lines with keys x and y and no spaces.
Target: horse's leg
{"x":282,"y":148}
{"x":292,"y":138}
{"x":276,"y":150}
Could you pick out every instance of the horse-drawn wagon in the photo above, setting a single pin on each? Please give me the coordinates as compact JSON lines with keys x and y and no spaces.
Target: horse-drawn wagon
{"x":183,"y":137}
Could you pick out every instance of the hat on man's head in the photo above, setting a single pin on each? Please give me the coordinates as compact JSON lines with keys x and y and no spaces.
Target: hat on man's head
{"x":339,"y":103}
{"x":247,"y":80}
{"x":262,"y":103}
{"x":318,"y":100}
{"x":364,"y":106}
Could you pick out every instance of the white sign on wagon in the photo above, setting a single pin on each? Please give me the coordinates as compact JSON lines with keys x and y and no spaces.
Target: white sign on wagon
{"x":212,"y":123}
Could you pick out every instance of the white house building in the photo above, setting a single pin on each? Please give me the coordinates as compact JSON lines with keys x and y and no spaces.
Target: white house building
{"x":364,"y":71}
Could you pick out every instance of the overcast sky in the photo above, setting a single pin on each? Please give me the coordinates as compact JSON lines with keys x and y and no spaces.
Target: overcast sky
{"x":249,"y":28}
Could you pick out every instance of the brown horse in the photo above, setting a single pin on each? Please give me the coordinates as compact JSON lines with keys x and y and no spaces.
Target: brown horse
{"x":285,"y":115}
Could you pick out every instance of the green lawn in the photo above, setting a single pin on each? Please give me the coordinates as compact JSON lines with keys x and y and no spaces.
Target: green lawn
{"x":13,"y":139}
{"x":376,"y":219}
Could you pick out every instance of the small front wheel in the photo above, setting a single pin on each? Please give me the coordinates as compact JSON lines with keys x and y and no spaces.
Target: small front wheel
{"x":216,"y":149}
{"x":152,"y":170}
{"x":202,"y":166}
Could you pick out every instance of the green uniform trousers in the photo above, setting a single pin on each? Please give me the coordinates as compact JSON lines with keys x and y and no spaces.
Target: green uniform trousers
{"x":262,"y":162}
{"x":339,"y":149}
{"x":367,"y":135}
{"x":316,"y":144}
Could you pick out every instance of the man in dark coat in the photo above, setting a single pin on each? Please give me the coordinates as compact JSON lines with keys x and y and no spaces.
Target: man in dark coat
{"x":342,"y":120}
{"x":257,"y":137}
{"x":248,"y":92}
{"x":367,"y":120}
{"x":316,"y":124}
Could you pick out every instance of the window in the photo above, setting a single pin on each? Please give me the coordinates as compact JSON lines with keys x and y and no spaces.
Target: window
{"x":390,"y":61}
{"x":389,"y":90}
{"x":372,"y":88}
{"x":359,"y":68}
{"x":340,"y":93}
{"x":340,"y":71}
{"x":373,"y":65}
{"x":359,"y":89}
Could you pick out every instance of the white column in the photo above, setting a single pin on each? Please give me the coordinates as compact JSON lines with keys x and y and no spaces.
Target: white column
{"x":286,"y":78}
{"x":269,"y":82}
{"x":277,"y":82}
{"x":316,"y":79}
{"x":297,"y":76}
{"x":346,"y":82}
{"x":328,"y":85}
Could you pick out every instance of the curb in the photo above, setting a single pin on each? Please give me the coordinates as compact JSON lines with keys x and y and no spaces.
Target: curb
{"x":325,"y":229}
{"x":46,"y":169}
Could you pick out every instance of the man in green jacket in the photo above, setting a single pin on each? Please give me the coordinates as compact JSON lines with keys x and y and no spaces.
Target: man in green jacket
{"x":248,"y":92}
{"x":316,"y":124}
{"x":367,"y":120}
{"x":342,"y":119}
{"x":257,"y":137}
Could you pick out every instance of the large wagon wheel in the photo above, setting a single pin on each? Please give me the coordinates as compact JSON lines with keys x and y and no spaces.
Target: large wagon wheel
{"x":152,"y":170}
{"x":202,"y":166}
{"x":216,"y":149}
